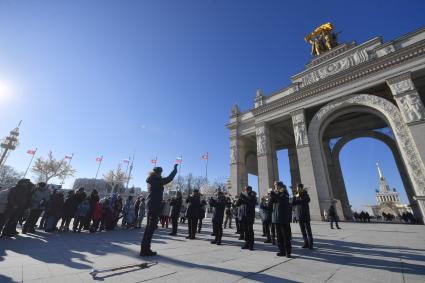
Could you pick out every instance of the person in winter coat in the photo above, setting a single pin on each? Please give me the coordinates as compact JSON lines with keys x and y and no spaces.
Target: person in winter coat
{"x":166,"y":208}
{"x":141,"y":213}
{"x":302,"y":199}
{"x":80,"y":196}
{"x":176,"y":205}
{"x":136,"y":209}
{"x":96,"y":217}
{"x":266,"y":217}
{"x":54,"y":210}
{"x":128,"y":211}
{"x":18,"y":200}
{"x":68,"y":211}
{"x":201,"y":214}
{"x":93,"y":199}
{"x":39,"y":199}
{"x":192,"y":213}
{"x":219,"y":206}
{"x":155,"y":194}
{"x":247,"y":202}
{"x":333,"y":216}
{"x":108,"y":217}
{"x":228,"y":213}
{"x":281,"y":217}
{"x":3,"y":204}
{"x":82,"y":212}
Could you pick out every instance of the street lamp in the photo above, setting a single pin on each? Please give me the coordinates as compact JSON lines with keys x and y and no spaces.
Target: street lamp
{"x":9,"y":143}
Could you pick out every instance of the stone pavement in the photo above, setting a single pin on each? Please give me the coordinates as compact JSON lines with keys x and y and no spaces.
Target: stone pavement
{"x":357,"y":253}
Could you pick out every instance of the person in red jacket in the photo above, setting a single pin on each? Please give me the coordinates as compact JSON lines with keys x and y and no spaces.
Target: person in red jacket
{"x":96,"y":217}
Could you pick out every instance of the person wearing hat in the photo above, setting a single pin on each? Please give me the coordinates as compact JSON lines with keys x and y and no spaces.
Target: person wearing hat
{"x":192,"y":213}
{"x":301,"y":198}
{"x":155,"y":186}
{"x":219,"y":205}
{"x":247,"y":202}
{"x":281,"y":217}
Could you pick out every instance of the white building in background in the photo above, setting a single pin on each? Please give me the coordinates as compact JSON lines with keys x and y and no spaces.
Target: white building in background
{"x":388,"y":201}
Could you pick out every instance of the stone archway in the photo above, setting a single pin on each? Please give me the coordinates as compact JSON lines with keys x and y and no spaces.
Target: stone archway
{"x":373,"y":105}
{"x":338,"y":185}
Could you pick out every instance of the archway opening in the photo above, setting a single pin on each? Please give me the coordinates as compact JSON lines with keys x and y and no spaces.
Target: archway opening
{"x":344,"y":126}
{"x":358,"y":160}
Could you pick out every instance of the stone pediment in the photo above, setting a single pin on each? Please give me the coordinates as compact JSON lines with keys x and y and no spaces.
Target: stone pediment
{"x":336,"y":60}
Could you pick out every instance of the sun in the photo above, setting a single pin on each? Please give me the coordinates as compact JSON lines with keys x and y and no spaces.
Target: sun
{"x":5,"y":91}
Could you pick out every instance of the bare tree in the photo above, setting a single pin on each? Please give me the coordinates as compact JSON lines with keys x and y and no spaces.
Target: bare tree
{"x":49,"y":168}
{"x":9,"y":176}
{"x":116,"y":178}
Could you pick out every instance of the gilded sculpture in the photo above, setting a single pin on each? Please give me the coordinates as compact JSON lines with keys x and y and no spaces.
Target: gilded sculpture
{"x":322,"y":39}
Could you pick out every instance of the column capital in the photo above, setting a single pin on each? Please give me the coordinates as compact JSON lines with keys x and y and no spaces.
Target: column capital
{"x":401,"y":84}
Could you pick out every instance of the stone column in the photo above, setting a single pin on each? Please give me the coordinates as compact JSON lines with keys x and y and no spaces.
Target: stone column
{"x":305,"y":163}
{"x":293,"y":167}
{"x":413,"y":112}
{"x":338,"y":185}
{"x":266,"y":157}
{"x":238,"y":174}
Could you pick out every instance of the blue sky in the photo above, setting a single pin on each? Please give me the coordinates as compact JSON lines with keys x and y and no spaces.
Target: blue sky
{"x":159,"y":77}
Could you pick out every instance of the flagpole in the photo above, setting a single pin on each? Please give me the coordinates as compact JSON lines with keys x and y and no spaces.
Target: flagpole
{"x":69,"y":163}
{"x":98,"y":167}
{"x":126,"y":169}
{"x":206,"y":169}
{"x":131,"y":169}
{"x":29,"y":164}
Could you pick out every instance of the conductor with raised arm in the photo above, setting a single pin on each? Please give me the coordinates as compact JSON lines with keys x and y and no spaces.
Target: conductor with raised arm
{"x":155,"y":185}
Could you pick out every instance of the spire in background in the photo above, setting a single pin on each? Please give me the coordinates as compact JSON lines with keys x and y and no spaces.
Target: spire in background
{"x":381,"y":176}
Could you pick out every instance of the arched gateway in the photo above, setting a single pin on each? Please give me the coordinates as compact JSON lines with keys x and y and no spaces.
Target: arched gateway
{"x":346,"y":92}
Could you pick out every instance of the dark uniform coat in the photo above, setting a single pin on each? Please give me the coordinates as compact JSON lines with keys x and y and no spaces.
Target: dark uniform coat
{"x":219,"y":205}
{"x":155,"y":191}
{"x":281,"y":209}
{"x":304,"y":211}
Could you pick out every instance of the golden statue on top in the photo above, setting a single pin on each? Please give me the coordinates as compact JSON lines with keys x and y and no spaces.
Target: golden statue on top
{"x":322,"y":39}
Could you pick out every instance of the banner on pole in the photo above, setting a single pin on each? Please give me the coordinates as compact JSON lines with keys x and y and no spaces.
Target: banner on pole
{"x":99,"y":159}
{"x":179,"y":160}
{"x":31,"y":151}
{"x":205,"y":156}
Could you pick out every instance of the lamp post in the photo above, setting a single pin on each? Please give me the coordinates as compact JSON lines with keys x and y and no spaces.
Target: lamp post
{"x":9,"y":143}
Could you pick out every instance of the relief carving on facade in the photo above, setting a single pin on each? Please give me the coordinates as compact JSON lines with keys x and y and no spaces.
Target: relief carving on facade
{"x":412,"y":108}
{"x":399,"y":127}
{"x":351,"y":60}
{"x":261,"y":141}
{"x":300,"y":130}
{"x":233,"y":152}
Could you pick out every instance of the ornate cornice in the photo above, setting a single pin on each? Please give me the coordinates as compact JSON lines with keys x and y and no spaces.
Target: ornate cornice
{"x":347,"y":76}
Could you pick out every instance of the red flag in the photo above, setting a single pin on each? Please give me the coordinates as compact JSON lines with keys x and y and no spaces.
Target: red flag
{"x":205,"y":156}
{"x":99,"y":159}
{"x":31,"y":151}
{"x":153,"y":161}
{"x":179,"y":160}
{"x":126,"y":161}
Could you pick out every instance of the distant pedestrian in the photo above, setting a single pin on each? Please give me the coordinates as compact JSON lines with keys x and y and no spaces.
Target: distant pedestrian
{"x":333,"y":216}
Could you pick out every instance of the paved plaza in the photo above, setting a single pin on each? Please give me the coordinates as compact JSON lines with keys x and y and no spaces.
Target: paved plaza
{"x":357,"y":253}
